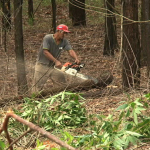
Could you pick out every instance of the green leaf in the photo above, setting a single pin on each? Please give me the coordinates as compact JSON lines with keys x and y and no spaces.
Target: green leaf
{"x":133,"y":133}
{"x":63,"y":96}
{"x":67,"y":117}
{"x":135,"y":118}
{"x":143,"y":124}
{"x":132,"y":139}
{"x":39,"y":105}
{"x":128,"y":126}
{"x":118,"y":143}
{"x":133,"y":105}
{"x":26,"y":113}
{"x":121,"y":115}
{"x":139,"y":109}
{"x":41,"y":147}
{"x":124,"y":106}
{"x":138,"y":103}
{"x":2,"y":145}
{"x":128,"y":113}
{"x":60,"y":118}
{"x":47,"y":100}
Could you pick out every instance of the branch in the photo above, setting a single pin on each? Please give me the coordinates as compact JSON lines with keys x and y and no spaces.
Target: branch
{"x":33,"y":127}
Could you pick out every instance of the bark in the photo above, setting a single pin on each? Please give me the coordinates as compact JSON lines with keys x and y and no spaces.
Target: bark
{"x":6,"y":19}
{"x":20,"y":63}
{"x":110,"y":43}
{"x":77,"y":12}
{"x":54,"y":15}
{"x":131,"y":46}
{"x":145,"y":36}
{"x":30,"y":11}
{"x":104,"y":80}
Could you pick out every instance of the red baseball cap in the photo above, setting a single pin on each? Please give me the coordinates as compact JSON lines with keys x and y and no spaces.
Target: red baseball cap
{"x":63,"y":27}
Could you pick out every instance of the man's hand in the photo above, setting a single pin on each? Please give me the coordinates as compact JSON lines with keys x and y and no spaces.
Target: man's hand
{"x":58,"y":64}
{"x":50,"y":57}
{"x":77,"y":61}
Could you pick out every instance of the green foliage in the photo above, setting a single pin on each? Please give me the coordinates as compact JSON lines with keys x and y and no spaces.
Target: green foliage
{"x":39,"y":145}
{"x":128,"y":125}
{"x":63,"y":109}
{"x":2,"y":145}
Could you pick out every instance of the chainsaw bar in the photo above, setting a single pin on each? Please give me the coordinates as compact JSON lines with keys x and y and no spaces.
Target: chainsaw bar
{"x":73,"y":69}
{"x":75,"y":73}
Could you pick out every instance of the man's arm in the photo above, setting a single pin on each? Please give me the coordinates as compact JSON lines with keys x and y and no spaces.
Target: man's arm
{"x":50,"y":57}
{"x":74,"y":55}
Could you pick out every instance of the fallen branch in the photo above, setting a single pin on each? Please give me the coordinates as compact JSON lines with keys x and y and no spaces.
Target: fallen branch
{"x":32,"y":127}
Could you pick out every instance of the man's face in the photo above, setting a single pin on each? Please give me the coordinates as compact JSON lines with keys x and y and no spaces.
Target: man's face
{"x":62,"y":34}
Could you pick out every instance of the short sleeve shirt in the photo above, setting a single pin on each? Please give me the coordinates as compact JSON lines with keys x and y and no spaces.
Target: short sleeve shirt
{"x":55,"y":49}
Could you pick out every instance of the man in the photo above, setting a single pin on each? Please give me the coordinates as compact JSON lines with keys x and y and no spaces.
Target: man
{"x":48,"y":57}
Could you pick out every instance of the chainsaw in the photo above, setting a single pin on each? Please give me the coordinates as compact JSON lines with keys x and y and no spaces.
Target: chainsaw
{"x":73,"y":70}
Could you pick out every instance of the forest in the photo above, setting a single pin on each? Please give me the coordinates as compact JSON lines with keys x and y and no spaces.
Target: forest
{"x":110,"y":110}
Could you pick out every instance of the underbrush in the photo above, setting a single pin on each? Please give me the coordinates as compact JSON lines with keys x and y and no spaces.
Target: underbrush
{"x":65,"y":116}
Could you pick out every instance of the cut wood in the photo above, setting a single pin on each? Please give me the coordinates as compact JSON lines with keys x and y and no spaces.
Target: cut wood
{"x":103,"y":80}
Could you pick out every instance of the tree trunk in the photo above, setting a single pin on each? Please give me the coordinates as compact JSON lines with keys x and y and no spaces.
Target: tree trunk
{"x":6,"y":19}
{"x":77,"y":12}
{"x":30,"y":11}
{"x":20,"y":63}
{"x":131,"y":45}
{"x":110,"y":43}
{"x":145,"y":36}
{"x":54,"y":15}
{"x":70,"y":9}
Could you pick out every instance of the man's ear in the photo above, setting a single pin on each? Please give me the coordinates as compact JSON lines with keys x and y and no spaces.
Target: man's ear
{"x":61,"y":31}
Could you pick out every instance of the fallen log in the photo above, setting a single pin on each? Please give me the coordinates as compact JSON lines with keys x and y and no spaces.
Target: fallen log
{"x":103,"y":80}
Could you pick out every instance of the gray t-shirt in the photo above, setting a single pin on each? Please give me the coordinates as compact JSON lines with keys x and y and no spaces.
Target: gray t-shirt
{"x":55,"y":49}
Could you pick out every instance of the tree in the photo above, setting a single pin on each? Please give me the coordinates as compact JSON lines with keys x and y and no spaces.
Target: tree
{"x":6,"y":20}
{"x":30,"y":11}
{"x":145,"y":36}
{"x":131,"y":45}
{"x":77,"y":12}
{"x":110,"y":43}
{"x":54,"y":15}
{"x":20,"y":63}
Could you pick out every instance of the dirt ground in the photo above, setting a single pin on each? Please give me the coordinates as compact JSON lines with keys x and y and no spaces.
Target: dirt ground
{"x":88,"y":45}
{"x":88,"y":42}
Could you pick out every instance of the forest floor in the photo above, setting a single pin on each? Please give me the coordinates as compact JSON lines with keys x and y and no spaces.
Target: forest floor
{"x":88,"y":42}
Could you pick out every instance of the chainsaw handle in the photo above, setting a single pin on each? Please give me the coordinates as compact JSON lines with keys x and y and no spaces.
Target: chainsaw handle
{"x":57,"y":68}
{"x":82,"y":64}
